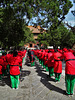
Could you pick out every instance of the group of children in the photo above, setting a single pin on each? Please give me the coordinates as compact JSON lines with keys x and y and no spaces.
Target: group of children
{"x":52,"y":60}
{"x":11,"y":63}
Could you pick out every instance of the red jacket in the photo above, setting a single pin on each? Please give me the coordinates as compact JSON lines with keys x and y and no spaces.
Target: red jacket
{"x":50,"y":62}
{"x":57,"y":62}
{"x":70,"y":64}
{"x":35,"y":52}
{"x":39,"y":54}
{"x":45,"y":58}
{"x":1,"y":65}
{"x":20,"y":60}
{"x":14,"y":66}
{"x":8,"y":58}
{"x":5,"y":62}
{"x":42,"y":55}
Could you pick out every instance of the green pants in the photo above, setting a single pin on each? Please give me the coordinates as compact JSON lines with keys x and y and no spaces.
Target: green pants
{"x":14,"y":81}
{"x":70,"y":80}
{"x":23,"y":59}
{"x":8,"y":68}
{"x":51,"y":71}
{"x":47,"y":68}
{"x":40,"y":61}
{"x":57,"y":76}
{"x":32,"y":64}
{"x":36,"y":57}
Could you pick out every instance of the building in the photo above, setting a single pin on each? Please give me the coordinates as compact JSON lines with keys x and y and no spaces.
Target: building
{"x":36,"y":31}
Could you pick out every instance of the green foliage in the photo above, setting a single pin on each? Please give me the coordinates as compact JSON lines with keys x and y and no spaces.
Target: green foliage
{"x":13,"y":30}
{"x":21,"y":7}
{"x":51,"y":12}
{"x":1,"y":15}
{"x":58,"y":37}
{"x":67,"y":36}
{"x":28,"y":36}
{"x":69,"y":40}
{"x":44,"y":39}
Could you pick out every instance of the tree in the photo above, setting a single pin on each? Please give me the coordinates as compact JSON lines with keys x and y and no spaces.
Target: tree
{"x":59,"y":37}
{"x":13,"y":28}
{"x":51,"y":12}
{"x":44,"y":39}
{"x":70,"y":39}
{"x":65,"y":37}
{"x":21,"y":7}
{"x":28,"y":37}
{"x":71,"y":27}
{"x":56,"y":37}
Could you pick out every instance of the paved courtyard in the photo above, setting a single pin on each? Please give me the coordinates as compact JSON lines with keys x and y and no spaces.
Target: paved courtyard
{"x":34,"y":85}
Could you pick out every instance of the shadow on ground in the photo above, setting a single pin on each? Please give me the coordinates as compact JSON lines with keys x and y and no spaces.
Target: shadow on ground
{"x":46,"y":80}
{"x":6,"y":79}
{"x":23,"y":74}
{"x":27,"y":62}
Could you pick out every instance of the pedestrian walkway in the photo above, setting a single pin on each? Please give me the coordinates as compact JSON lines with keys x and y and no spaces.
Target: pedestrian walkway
{"x":34,"y":85}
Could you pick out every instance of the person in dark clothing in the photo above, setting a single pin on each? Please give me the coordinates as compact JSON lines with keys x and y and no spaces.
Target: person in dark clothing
{"x":31,"y":57}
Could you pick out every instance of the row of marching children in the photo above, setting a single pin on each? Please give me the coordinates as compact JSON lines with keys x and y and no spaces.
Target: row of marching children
{"x":52,"y":60}
{"x":11,"y":64}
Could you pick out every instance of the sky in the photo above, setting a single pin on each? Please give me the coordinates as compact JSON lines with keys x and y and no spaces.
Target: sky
{"x":70,"y":18}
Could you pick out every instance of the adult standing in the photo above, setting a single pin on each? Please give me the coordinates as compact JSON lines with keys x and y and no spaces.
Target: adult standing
{"x":45,"y":61}
{"x":14,"y":70}
{"x":32,"y":58}
{"x":57,"y":65}
{"x":50,"y":63}
{"x":69,"y":71}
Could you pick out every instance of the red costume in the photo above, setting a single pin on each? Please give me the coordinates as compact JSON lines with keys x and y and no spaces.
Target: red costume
{"x":8,"y":58}
{"x":5,"y":62}
{"x":70,"y":63}
{"x":1,"y":65}
{"x":50,"y":62}
{"x":69,"y":72}
{"x":57,"y":62}
{"x":57,"y":65}
{"x":45,"y":58}
{"x":14,"y":66}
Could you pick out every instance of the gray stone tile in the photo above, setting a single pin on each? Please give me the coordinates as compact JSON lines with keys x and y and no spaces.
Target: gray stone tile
{"x":36,"y":86}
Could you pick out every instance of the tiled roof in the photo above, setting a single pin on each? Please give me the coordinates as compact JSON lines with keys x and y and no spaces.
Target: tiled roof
{"x":36,"y":29}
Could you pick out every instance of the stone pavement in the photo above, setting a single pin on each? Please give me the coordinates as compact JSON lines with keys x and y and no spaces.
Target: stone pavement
{"x":34,"y":85}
